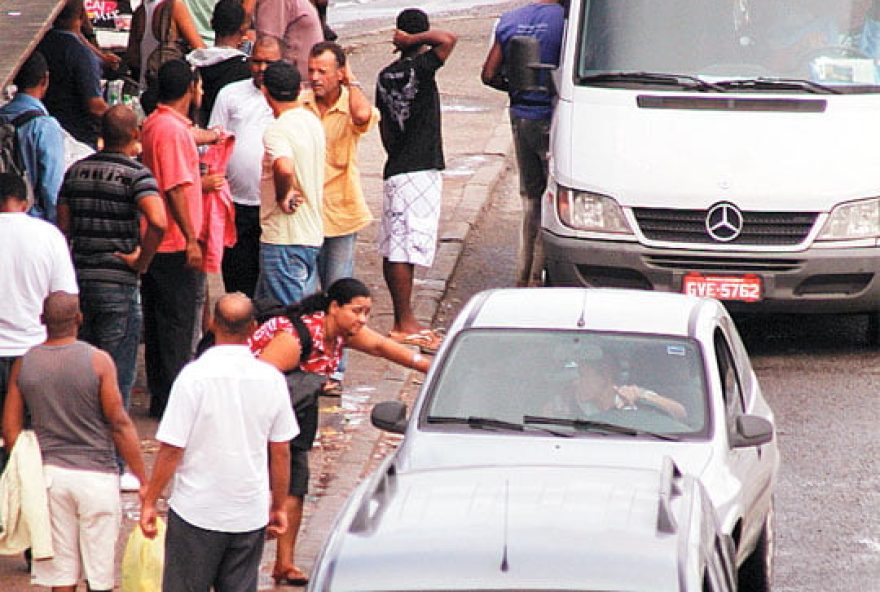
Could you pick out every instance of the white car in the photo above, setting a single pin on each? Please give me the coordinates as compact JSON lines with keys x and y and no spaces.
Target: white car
{"x":570,"y":378}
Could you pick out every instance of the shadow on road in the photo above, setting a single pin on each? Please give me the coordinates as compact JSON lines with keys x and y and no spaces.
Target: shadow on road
{"x":778,"y":334}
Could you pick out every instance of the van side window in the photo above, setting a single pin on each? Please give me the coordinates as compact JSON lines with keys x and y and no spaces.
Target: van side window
{"x":730,"y":387}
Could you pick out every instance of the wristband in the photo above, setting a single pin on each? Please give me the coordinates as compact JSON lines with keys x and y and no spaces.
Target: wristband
{"x":356,"y":84}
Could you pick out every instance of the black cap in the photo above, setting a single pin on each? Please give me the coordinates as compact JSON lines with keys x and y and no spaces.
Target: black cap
{"x":412,"y":21}
{"x":282,"y":81}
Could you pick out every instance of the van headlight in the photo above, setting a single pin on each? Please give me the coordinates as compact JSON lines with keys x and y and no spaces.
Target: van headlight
{"x":582,"y":210}
{"x":853,"y":220}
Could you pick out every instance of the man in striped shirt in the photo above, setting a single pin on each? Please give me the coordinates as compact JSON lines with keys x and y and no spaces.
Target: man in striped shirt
{"x":101,"y":199}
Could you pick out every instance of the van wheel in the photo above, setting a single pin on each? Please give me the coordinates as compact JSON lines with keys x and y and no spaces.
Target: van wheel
{"x":756,"y":572}
{"x":873,"y":332}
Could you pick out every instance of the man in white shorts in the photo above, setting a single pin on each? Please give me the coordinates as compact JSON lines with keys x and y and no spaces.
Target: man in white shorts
{"x":407,"y":98}
{"x":69,"y":389}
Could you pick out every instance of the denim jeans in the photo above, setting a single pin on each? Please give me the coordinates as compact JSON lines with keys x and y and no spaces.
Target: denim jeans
{"x":112,"y":321}
{"x":288,"y":273}
{"x":169,"y":291}
{"x":336,"y":261}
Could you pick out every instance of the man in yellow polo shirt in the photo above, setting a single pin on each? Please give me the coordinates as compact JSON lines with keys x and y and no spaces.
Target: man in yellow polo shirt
{"x":346,"y":114}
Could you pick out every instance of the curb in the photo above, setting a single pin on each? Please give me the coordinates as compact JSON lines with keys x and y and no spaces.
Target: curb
{"x":428,"y":294}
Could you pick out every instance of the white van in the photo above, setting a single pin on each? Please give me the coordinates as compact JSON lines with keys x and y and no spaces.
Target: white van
{"x":726,"y":148}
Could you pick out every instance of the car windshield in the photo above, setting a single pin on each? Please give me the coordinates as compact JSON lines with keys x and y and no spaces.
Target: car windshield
{"x":746,"y":45}
{"x":571,"y":382}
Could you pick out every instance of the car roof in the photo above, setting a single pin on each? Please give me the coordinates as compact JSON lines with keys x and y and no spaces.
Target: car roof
{"x":515,"y":528}
{"x":596,"y":309}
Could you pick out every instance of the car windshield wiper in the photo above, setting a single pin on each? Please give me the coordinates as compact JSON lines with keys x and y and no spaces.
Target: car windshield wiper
{"x":685,"y":81}
{"x":491,"y":423}
{"x":589,"y":425}
{"x":773,"y":84}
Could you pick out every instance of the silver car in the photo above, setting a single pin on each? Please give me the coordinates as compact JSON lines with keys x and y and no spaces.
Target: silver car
{"x":532,"y":386}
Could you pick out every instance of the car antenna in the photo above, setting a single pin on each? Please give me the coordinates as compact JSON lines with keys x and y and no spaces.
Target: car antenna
{"x":582,"y":320}
{"x":504,"y":565}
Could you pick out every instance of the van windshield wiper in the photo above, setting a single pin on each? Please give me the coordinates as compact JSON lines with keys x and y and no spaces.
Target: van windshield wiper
{"x":774,"y":84}
{"x":493,"y":424}
{"x":685,"y":81}
{"x":589,"y":425}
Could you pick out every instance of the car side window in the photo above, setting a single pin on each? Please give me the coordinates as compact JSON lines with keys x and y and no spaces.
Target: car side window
{"x":730,"y":386}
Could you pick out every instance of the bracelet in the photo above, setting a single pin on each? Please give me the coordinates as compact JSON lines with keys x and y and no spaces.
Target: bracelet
{"x":356,"y":84}
{"x":417,"y":357}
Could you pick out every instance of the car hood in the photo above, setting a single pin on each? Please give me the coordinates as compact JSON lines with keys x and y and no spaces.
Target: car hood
{"x":429,"y":450}
{"x":508,"y":528}
{"x":695,"y":158}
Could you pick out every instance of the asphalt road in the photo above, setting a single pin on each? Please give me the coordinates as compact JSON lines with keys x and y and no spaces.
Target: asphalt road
{"x":821,"y":379}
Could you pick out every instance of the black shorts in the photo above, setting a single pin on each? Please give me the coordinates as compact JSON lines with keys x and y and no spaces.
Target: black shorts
{"x":299,"y":473}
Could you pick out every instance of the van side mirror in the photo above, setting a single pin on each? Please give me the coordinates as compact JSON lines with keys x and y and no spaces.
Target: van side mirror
{"x":389,"y":416}
{"x":751,"y":430}
{"x":524,"y":65}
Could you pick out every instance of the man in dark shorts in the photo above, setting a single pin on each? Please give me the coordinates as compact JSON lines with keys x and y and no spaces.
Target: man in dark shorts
{"x":530,"y":113}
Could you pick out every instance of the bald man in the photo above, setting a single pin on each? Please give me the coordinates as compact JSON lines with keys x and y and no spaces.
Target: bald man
{"x":69,"y":389}
{"x":226,"y":413}
{"x":101,"y":199}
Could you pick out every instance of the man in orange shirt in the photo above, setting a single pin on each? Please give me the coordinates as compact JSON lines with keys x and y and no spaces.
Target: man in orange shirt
{"x":173,"y":286}
{"x":346,"y":114}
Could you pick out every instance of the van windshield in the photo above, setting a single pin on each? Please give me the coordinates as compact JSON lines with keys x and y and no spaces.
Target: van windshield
{"x":737,"y":45}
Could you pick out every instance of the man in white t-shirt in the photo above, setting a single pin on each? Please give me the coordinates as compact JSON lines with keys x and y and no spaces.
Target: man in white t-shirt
{"x":291,"y":191}
{"x":242,"y":109}
{"x":36,"y":261}
{"x":223,"y":411}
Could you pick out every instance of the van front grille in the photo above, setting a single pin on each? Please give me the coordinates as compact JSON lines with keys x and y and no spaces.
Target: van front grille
{"x":759,"y":228}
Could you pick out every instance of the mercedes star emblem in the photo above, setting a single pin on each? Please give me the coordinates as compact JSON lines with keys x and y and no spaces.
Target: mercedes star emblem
{"x":724,"y":222}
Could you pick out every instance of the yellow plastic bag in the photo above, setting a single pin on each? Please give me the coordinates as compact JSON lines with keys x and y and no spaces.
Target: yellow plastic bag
{"x":143,"y":561}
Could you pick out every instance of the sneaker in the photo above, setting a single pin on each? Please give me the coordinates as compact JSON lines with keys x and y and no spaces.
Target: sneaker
{"x":128,"y":482}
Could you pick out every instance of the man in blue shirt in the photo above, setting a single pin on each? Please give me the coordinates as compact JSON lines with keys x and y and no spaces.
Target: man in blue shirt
{"x":74,"y":95}
{"x":530,"y":114}
{"x":40,"y":138}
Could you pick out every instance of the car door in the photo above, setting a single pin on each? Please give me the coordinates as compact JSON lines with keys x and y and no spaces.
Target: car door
{"x":743,"y":463}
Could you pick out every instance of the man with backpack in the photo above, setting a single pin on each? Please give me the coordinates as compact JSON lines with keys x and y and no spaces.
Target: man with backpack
{"x":36,"y":148}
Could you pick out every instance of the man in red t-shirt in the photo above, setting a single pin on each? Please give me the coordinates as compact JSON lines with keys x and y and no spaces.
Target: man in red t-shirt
{"x":173,"y":288}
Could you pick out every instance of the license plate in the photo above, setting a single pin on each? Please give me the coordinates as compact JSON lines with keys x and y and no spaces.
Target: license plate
{"x":745,"y":288}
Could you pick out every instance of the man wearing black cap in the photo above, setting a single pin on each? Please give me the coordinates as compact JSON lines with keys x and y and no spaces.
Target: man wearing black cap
{"x":407,"y":97}
{"x":291,"y":191}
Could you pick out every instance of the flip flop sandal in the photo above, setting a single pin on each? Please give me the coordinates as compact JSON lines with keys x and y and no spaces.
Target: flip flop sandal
{"x":332,"y":388}
{"x":285,"y":579}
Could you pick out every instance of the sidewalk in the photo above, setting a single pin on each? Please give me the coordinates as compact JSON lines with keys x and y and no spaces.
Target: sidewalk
{"x":477,"y":145}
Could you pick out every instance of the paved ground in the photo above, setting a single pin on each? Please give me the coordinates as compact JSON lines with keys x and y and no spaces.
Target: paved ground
{"x":477,"y":143}
{"x":22,"y":25}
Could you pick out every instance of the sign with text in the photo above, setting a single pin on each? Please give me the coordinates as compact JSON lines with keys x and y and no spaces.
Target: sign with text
{"x":745,"y":288}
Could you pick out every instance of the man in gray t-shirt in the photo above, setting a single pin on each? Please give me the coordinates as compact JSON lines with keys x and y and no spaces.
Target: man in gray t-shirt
{"x":69,"y":389}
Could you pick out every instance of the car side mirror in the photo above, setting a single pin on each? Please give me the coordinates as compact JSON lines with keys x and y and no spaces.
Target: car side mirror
{"x":524,"y":64}
{"x":389,"y":416}
{"x":751,"y":430}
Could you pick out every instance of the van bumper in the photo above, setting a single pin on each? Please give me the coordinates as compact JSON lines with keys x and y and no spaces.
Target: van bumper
{"x":812,"y":281}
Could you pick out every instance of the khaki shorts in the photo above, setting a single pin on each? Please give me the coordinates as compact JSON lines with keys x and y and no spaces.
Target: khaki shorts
{"x":85,"y":513}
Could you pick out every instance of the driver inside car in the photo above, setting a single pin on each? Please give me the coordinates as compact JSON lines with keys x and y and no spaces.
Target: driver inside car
{"x":595,"y":391}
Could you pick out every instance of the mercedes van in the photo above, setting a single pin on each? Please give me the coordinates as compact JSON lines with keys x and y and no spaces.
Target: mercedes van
{"x":724,"y":148}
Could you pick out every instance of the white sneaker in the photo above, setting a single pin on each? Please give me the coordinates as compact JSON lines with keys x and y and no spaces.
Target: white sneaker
{"x":128,"y":482}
